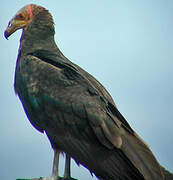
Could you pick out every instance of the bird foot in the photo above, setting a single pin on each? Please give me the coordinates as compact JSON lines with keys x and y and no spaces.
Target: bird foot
{"x":59,"y":178}
{"x":70,"y":178}
{"x":49,"y":178}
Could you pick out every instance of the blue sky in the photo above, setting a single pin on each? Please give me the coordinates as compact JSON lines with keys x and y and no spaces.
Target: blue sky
{"x":126,"y":45}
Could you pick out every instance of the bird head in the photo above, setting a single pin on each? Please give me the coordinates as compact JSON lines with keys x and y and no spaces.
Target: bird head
{"x":22,"y":18}
{"x":33,"y":16}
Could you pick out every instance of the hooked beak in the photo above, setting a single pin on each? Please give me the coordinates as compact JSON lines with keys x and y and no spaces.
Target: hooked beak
{"x":13,"y":26}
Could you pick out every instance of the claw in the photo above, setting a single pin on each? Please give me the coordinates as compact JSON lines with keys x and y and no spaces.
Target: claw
{"x":49,"y":178}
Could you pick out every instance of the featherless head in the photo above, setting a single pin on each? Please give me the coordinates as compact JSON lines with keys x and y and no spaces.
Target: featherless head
{"x":25,"y":16}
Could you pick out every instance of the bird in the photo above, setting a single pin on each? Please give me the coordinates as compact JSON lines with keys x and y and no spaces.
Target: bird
{"x":72,"y":108}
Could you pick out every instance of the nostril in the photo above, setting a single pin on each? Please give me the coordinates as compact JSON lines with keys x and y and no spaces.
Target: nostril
{"x":9,"y":24}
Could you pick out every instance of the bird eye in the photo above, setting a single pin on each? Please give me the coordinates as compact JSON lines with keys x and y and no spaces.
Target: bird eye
{"x":20,"y":16}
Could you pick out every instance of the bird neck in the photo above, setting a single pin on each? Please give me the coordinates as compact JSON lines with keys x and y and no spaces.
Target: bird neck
{"x":38,"y":35}
{"x":30,"y":42}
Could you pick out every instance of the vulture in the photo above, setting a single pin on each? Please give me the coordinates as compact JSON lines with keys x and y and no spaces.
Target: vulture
{"x":72,"y":108}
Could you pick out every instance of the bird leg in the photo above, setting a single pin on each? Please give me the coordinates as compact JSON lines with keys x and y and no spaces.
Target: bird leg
{"x":67,"y":171}
{"x":54,"y":175}
{"x":55,"y":164}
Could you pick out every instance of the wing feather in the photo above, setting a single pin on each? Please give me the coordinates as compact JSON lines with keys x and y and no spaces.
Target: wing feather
{"x":63,"y":90}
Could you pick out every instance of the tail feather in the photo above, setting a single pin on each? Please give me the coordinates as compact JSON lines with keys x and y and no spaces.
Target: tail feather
{"x":141,"y":157}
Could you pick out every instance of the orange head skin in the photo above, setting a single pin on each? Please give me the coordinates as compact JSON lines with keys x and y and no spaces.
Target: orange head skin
{"x":22,"y":18}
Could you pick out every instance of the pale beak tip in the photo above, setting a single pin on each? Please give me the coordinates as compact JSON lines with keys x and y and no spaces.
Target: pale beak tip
{"x":6,"y":35}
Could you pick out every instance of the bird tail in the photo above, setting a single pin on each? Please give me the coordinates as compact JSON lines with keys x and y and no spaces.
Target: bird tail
{"x":141,"y":156}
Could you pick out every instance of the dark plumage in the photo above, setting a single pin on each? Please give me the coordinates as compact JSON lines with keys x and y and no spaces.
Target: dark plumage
{"x":75,"y":111}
